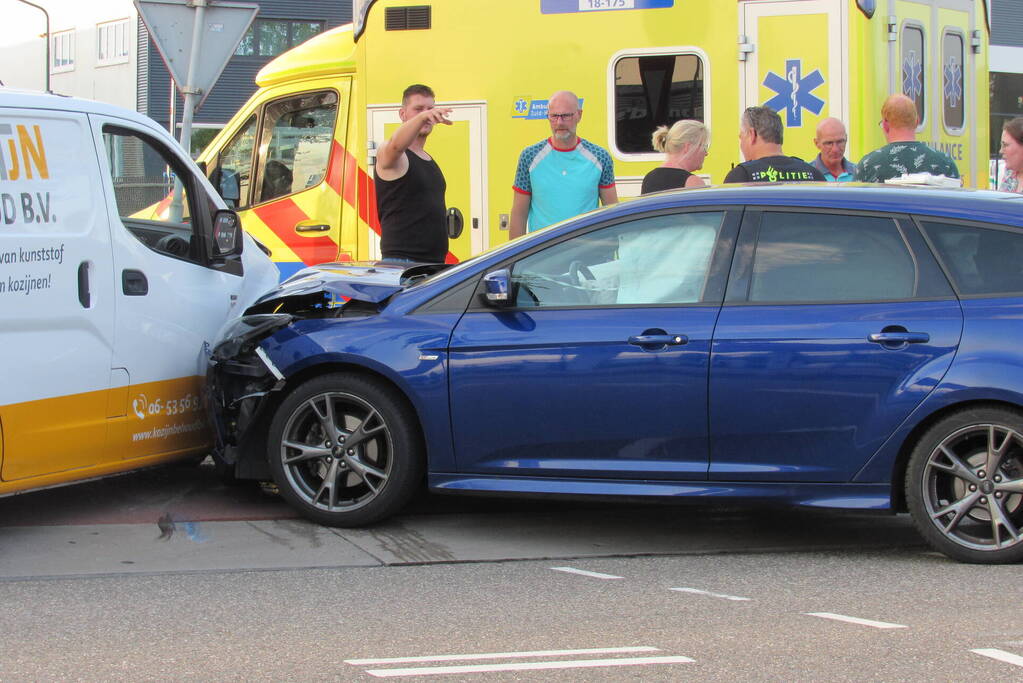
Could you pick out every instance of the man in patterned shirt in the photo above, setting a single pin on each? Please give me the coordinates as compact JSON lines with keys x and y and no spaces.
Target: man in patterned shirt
{"x":562,"y":176}
{"x":903,"y":154}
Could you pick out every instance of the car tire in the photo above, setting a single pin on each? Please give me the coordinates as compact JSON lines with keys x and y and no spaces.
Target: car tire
{"x":345,"y":450}
{"x":964,"y":485}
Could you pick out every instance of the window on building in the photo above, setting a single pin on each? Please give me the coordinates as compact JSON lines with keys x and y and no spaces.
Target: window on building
{"x":914,"y":67}
{"x":271,"y":37}
{"x":112,"y":42}
{"x":953,"y":73}
{"x":62,"y":51}
{"x":652,"y":91}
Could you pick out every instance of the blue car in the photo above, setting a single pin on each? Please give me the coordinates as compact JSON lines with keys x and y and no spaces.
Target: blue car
{"x":809,"y":345}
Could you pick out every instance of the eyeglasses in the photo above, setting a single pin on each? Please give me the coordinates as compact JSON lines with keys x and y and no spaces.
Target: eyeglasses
{"x":563,"y":117}
{"x":881,"y":123}
{"x":834,"y":143}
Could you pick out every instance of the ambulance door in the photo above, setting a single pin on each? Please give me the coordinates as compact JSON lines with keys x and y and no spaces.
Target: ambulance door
{"x":287,"y":171}
{"x":795,"y":63}
{"x":932,"y":63}
{"x":170,"y":298}
{"x":461,"y":154}
{"x":56,"y":295}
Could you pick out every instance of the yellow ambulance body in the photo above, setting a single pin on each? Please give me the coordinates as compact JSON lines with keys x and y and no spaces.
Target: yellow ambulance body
{"x":297,"y":160}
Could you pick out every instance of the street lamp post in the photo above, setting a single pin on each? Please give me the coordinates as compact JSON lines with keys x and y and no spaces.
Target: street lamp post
{"x":47,"y":15}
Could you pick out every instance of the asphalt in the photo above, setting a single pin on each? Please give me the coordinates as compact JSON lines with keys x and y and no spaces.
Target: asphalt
{"x":184,"y":519}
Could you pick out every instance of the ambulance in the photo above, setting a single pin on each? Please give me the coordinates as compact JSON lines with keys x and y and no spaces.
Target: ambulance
{"x":107,"y":305}
{"x":297,"y":159}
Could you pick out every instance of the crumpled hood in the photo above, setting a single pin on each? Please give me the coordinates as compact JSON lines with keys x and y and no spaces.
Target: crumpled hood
{"x":370,"y":282}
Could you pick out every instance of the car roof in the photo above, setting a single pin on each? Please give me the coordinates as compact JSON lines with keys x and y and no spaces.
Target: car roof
{"x":981,"y":205}
{"x":29,"y":99}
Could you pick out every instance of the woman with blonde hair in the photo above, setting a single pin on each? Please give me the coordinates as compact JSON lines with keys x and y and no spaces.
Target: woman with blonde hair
{"x":1012,"y":154}
{"x":685,"y":147}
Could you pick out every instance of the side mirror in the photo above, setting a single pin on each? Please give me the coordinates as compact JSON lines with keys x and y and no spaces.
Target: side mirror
{"x":455,"y":223}
{"x":497,"y":288}
{"x":227,"y":234}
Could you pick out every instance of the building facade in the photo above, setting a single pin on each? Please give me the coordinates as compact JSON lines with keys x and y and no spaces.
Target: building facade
{"x":101,"y":50}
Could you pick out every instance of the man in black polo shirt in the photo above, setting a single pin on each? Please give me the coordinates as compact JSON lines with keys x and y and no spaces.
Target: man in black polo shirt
{"x":760,"y":138}
{"x":410,"y":186}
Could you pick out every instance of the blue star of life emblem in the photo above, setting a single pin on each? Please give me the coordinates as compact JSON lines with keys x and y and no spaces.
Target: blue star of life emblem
{"x":912,"y":76}
{"x":521,"y":106}
{"x":794,"y":92}
{"x":953,"y":82}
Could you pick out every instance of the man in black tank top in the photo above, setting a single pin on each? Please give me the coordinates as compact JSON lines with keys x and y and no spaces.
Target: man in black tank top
{"x":760,"y":139}
{"x":410,"y":186}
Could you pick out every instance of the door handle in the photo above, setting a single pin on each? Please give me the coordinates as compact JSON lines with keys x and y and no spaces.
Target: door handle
{"x":84,"y":295}
{"x":659,"y":339}
{"x":134,"y":283}
{"x":312,"y":227}
{"x":898,"y":339}
{"x":475,"y":223}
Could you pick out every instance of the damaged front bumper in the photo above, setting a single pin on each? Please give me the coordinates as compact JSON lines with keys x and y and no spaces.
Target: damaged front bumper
{"x":239,"y":378}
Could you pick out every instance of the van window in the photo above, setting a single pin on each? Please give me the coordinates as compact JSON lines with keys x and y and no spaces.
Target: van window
{"x":953,"y":73}
{"x":234,"y":166}
{"x":297,"y":137}
{"x":914,"y":67}
{"x":652,"y":91}
{"x":153,"y":204}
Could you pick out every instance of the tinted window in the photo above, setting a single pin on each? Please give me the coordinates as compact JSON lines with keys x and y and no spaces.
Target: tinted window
{"x":980,"y":260}
{"x":914,"y":68}
{"x":654,"y":260}
{"x":809,"y":257}
{"x":153,"y":204}
{"x":652,"y":91}
{"x":952,"y":77}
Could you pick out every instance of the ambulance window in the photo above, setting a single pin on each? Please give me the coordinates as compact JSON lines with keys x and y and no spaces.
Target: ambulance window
{"x":153,"y":204}
{"x":952,"y":75}
{"x":652,"y":91}
{"x":234,"y":166}
{"x":914,"y":67}
{"x":298,"y":134}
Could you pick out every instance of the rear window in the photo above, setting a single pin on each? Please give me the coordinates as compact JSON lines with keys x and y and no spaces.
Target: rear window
{"x":980,"y":260}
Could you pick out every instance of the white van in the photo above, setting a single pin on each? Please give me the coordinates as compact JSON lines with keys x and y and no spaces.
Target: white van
{"x":118,"y":265}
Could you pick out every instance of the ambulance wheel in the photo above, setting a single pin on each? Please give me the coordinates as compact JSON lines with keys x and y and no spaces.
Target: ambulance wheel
{"x":964,"y":486}
{"x":345,"y":450}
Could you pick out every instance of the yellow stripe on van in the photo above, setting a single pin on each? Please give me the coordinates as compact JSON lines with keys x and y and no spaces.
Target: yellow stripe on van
{"x":66,"y":438}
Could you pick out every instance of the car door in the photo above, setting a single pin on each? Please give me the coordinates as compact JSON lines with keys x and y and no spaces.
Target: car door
{"x":56,"y":298}
{"x":170,"y":297}
{"x":600,"y":367}
{"x":836,"y":325}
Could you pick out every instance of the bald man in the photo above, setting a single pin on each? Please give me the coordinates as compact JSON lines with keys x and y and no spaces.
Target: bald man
{"x":562,"y":176}
{"x":831,"y":139}
{"x":903,"y":154}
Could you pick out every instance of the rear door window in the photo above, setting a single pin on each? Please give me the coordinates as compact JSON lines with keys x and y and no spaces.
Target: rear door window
{"x":820,"y":258}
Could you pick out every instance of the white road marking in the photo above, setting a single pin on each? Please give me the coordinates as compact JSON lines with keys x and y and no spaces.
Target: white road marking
{"x":583,"y":572}
{"x":1000,"y":655}
{"x":505,"y":655}
{"x":697,"y":591}
{"x":854,"y":620}
{"x":526,"y":666}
